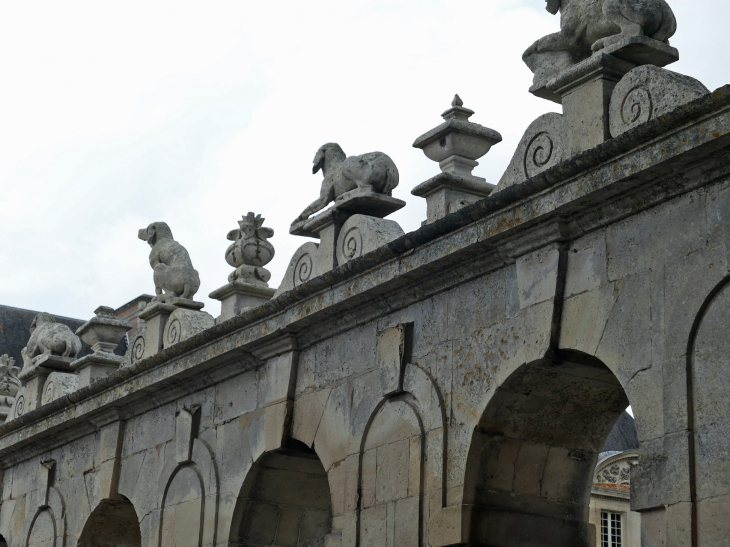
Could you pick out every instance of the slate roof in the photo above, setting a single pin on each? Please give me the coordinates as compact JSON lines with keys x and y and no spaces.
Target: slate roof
{"x":15,"y":331}
{"x":623,"y":436}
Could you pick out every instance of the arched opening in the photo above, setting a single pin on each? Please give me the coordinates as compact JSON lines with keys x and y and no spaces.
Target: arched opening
{"x":113,"y":523}
{"x":531,"y":463}
{"x":285,"y":501}
{"x":3,"y":543}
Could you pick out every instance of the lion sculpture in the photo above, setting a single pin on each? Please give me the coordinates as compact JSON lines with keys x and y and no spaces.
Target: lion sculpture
{"x":587,"y":26}
{"x":47,"y":337}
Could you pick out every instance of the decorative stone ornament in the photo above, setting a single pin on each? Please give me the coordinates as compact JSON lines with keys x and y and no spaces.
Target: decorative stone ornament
{"x":602,"y":25}
{"x":248,"y":284}
{"x":456,"y":144}
{"x":174,"y":275}
{"x":9,"y":385}
{"x":358,"y":185}
{"x":103,"y":333}
{"x":250,"y":251}
{"x":51,"y":347}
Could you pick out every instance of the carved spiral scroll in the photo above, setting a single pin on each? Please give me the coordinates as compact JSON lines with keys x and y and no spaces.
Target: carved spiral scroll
{"x":173,"y":332}
{"x":137,"y":349}
{"x":303,"y":269}
{"x":48,"y":393}
{"x":541,"y":152}
{"x":352,"y":244}
{"x":636,"y":107}
{"x":19,"y":406}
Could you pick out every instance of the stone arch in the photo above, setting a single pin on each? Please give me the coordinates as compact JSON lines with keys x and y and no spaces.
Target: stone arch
{"x":113,"y":523}
{"x":533,"y":454}
{"x":285,"y":500}
{"x":189,"y":499}
{"x":708,"y":409}
{"x":48,"y":526}
{"x":406,"y":430}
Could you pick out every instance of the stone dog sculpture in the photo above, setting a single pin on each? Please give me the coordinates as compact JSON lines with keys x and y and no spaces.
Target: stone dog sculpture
{"x":587,"y":26}
{"x":374,"y":171}
{"x":174,"y":274}
{"x":47,"y":337}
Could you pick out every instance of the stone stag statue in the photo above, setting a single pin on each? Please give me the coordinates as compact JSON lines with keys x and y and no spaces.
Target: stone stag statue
{"x":174,"y":274}
{"x":374,"y":171}
{"x":587,"y":26}
{"x":47,"y":337}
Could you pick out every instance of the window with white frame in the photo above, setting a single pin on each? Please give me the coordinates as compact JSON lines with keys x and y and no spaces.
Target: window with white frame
{"x":610,"y":529}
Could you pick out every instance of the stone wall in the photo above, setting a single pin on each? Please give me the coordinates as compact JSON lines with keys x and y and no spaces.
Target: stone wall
{"x":451,"y":387}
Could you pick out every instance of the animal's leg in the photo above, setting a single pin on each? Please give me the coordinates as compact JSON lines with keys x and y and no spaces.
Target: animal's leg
{"x":326,"y":196}
{"x":185,"y":292}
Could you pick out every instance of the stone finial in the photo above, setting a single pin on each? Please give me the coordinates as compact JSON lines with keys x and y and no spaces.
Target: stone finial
{"x":250,"y":251}
{"x":104,"y":331}
{"x":9,"y":385}
{"x":373,"y":173}
{"x":457,"y":143}
{"x":593,"y":26}
{"x":174,"y":275}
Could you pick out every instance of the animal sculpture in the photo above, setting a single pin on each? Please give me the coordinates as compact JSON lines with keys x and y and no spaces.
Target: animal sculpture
{"x":174,"y":275}
{"x":587,"y":26}
{"x":374,"y":171}
{"x":47,"y":337}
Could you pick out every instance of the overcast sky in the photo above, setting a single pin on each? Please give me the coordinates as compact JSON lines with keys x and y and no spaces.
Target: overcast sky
{"x":115,"y":115}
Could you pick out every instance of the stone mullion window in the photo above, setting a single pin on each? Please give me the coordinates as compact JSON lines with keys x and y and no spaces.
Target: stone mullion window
{"x":610,"y":529}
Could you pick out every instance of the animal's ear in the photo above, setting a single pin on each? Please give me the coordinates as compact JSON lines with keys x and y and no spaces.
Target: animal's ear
{"x":553,"y":6}
{"x":234,"y":235}
{"x":318,"y":161}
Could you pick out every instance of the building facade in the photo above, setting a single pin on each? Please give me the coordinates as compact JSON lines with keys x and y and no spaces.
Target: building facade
{"x":450,"y":386}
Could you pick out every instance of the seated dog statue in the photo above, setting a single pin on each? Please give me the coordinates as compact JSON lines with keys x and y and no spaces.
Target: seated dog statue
{"x":47,"y":337}
{"x":374,"y":171}
{"x":587,"y":26}
{"x":174,"y":274}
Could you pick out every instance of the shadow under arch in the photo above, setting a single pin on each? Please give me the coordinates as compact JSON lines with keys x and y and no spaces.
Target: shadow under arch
{"x":532,"y":457}
{"x":285,"y":500}
{"x":113,"y":523}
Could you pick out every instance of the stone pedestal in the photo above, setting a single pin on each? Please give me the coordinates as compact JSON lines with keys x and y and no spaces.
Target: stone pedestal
{"x":238,"y":296}
{"x":155,"y":316}
{"x":311,"y":259}
{"x":30,"y":396}
{"x":95,"y":366}
{"x":585,"y":89}
{"x":448,"y":192}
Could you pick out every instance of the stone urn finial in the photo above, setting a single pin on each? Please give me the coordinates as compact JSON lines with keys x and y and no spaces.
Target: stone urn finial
{"x":104,"y":331}
{"x":457,"y":143}
{"x":250,"y":251}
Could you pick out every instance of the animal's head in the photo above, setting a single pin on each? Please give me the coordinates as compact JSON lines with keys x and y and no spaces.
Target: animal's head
{"x":155,"y":232}
{"x":330,"y":151}
{"x":41,"y":319}
{"x":553,"y":6}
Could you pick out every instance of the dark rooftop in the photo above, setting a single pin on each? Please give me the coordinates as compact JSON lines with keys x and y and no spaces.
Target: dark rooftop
{"x":623,"y":436}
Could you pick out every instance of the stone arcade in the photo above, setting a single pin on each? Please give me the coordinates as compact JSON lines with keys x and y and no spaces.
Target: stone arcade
{"x":449,"y":386}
